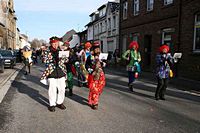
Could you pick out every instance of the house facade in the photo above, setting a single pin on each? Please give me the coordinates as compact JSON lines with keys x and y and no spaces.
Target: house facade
{"x":153,"y":23}
{"x":8,"y":28}
{"x":104,"y":27}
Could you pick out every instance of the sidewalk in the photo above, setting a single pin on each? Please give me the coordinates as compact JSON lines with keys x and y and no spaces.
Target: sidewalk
{"x":178,"y":83}
{"x":6,"y":79}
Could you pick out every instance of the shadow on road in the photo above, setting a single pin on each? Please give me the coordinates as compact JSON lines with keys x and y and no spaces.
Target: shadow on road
{"x":78,"y":99}
{"x":115,"y":83}
{"x":32,"y":93}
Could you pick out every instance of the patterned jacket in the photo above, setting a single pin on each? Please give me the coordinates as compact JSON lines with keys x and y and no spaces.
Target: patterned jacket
{"x":51,"y":64}
{"x":163,"y":65}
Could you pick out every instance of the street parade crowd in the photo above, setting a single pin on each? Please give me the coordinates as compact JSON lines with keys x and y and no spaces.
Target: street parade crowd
{"x":62,"y":63}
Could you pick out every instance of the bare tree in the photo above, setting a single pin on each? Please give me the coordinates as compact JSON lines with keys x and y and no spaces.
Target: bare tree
{"x":36,"y":43}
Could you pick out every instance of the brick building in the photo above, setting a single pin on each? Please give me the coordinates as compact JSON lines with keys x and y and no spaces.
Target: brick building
{"x":172,"y":22}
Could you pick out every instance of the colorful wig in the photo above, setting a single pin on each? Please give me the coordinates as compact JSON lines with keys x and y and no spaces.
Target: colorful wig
{"x":162,"y":47}
{"x":88,"y":45}
{"x":132,"y":44}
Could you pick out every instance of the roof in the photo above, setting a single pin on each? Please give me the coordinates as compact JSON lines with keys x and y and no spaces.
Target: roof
{"x":101,"y":7}
{"x":68,"y":35}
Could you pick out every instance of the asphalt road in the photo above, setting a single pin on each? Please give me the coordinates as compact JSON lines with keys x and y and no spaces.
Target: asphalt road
{"x":24,"y":109}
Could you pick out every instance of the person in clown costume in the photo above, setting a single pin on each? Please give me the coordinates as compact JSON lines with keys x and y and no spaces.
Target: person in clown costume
{"x":96,"y":78}
{"x":55,"y":73}
{"x":164,"y":62}
{"x":83,"y":54}
{"x":133,"y":58}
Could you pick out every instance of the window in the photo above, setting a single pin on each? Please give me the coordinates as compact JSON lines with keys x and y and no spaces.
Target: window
{"x":105,"y":25}
{"x":114,"y":22}
{"x":109,"y":24}
{"x":167,"y":2}
{"x":125,"y":9}
{"x":136,"y":7}
{"x":100,"y":28}
{"x":150,"y":5}
{"x":196,"y":46}
{"x":167,"y":37}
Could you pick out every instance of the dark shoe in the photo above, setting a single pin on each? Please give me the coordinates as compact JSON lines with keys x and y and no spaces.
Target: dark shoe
{"x":70,"y":92}
{"x":61,"y":106}
{"x":131,"y":88}
{"x":51,"y":108}
{"x":25,"y":73}
{"x":95,"y":107}
{"x":162,"y":98}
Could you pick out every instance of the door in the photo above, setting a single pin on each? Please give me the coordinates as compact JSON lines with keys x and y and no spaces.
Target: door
{"x":147,"y":51}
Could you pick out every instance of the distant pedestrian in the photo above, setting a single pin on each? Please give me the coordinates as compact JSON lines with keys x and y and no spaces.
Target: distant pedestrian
{"x":34,"y":56}
{"x":56,"y":74}
{"x":116,"y":56}
{"x":27,"y":53}
{"x":133,"y":58}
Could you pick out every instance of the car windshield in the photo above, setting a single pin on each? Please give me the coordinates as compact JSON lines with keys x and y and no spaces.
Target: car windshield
{"x":6,"y":53}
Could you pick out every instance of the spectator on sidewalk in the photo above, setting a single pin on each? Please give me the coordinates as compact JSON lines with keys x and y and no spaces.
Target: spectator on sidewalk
{"x":56,"y":75}
{"x":133,"y":58}
{"x":116,"y":56}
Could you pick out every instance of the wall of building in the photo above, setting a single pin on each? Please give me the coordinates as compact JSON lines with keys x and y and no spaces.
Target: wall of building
{"x":190,"y":63}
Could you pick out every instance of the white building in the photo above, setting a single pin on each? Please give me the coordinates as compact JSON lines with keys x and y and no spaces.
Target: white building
{"x":104,"y":26}
{"x":112,"y":16}
{"x":23,"y":41}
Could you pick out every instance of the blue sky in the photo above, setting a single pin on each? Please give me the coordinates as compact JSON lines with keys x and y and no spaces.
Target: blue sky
{"x":44,"y":18}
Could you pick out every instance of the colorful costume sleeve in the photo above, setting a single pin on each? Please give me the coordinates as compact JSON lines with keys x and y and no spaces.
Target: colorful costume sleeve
{"x":124,"y":56}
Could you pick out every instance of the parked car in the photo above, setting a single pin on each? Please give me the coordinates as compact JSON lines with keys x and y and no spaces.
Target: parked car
{"x":1,"y":64}
{"x":17,"y":55}
{"x":9,"y":58}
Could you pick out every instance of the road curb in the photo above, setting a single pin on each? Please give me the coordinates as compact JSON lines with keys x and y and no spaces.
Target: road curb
{"x":8,"y":81}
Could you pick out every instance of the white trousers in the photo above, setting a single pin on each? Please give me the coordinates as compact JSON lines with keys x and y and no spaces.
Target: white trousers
{"x":54,"y":85}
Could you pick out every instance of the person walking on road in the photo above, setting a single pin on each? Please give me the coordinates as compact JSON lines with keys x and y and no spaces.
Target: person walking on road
{"x":56,"y":74}
{"x":83,"y":54}
{"x":133,"y":58}
{"x":27,"y":53}
{"x":164,"y":62}
{"x":96,"y":78}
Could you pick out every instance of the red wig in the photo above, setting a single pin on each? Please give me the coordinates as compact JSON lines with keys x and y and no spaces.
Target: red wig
{"x":88,"y":45}
{"x":165,"y":46}
{"x":132,"y":44}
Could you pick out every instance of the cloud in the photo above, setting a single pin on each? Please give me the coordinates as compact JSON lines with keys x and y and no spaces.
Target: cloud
{"x":73,"y":6}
